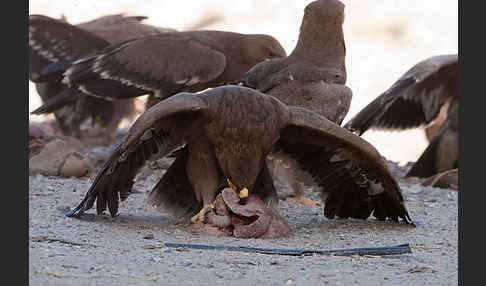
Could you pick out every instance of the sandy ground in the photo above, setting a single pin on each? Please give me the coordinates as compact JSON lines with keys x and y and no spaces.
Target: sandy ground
{"x":129,"y":250}
{"x":384,"y":38}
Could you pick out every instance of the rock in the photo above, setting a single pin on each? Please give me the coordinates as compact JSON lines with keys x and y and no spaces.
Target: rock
{"x":63,"y":208}
{"x":42,"y":133}
{"x":71,"y":141}
{"x":149,"y":236}
{"x":35,"y":131}
{"x":36,"y":138}
{"x":447,"y":180}
{"x":75,"y":165}
{"x":60,"y":157}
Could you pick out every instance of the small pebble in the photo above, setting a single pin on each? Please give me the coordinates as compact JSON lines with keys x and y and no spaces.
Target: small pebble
{"x":63,"y":208}
{"x":289,"y":281}
{"x":149,"y":236}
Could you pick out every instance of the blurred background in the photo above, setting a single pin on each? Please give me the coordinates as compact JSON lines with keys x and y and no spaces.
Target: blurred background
{"x":384,"y":38}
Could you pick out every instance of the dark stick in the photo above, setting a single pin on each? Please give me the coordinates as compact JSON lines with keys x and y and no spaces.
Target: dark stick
{"x":49,"y":240}
{"x":399,"y":249}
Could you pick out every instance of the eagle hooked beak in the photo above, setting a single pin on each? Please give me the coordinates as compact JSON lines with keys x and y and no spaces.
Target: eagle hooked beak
{"x":243,"y":193}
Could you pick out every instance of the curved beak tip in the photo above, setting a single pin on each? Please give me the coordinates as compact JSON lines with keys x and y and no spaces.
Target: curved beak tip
{"x":243,"y":193}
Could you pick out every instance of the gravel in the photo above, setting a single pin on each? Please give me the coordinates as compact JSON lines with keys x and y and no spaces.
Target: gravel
{"x":130,"y":250}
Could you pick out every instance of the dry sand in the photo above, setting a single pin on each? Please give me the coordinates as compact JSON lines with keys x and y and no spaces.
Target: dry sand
{"x":129,"y":250}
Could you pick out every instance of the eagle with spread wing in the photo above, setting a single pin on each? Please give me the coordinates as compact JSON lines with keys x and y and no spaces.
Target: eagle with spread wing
{"x":227,"y":133}
{"x":416,"y":99}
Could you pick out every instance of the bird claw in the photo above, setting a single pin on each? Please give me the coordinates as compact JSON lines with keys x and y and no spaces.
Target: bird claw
{"x":231,"y":185}
{"x":201,"y":215}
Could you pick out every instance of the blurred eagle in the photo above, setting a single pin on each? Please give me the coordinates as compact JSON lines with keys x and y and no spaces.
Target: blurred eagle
{"x":161,"y":64}
{"x":56,"y":41}
{"x":418,"y":98}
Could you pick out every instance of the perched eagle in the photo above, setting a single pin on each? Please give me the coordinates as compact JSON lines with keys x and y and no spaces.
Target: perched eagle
{"x":416,"y":99}
{"x":313,"y":76}
{"x":228,"y":132}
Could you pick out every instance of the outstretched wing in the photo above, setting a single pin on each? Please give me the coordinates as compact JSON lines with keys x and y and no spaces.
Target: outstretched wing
{"x":414,"y":99}
{"x":157,"y":132}
{"x":52,"y":40}
{"x":156,"y":62}
{"x":352,"y":176}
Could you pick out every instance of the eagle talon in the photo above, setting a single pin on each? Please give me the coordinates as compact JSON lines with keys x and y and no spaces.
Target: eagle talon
{"x":231,"y":185}
{"x":201,"y":215}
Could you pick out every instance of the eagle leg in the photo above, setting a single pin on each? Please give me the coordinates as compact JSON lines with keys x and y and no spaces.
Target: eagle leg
{"x":201,"y":215}
{"x":299,"y":196}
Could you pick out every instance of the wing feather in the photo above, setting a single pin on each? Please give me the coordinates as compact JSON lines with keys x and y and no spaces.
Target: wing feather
{"x":352,"y":176}
{"x":413,"y":100}
{"x":156,"y":133}
{"x":52,"y":40}
{"x":154,"y":62}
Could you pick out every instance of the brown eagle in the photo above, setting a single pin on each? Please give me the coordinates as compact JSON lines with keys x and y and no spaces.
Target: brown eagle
{"x":416,"y":99}
{"x":164,"y":64}
{"x":313,"y":76}
{"x":52,"y":40}
{"x":228,"y":132}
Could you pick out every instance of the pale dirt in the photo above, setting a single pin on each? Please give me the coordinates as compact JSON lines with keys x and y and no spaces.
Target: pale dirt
{"x":383,"y":38}
{"x":116,"y":252}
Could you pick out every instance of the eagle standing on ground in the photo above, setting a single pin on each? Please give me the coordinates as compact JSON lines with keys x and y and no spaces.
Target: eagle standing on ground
{"x":312,"y":77}
{"x":314,"y":74}
{"x":228,"y":132}
{"x":416,"y":99}
{"x":52,"y":40}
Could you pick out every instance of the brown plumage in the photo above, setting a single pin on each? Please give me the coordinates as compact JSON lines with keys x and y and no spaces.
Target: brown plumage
{"x":314,"y":74}
{"x":49,"y":42}
{"x":416,"y":99}
{"x":165,"y":64}
{"x":119,"y":28}
{"x":228,"y":132}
